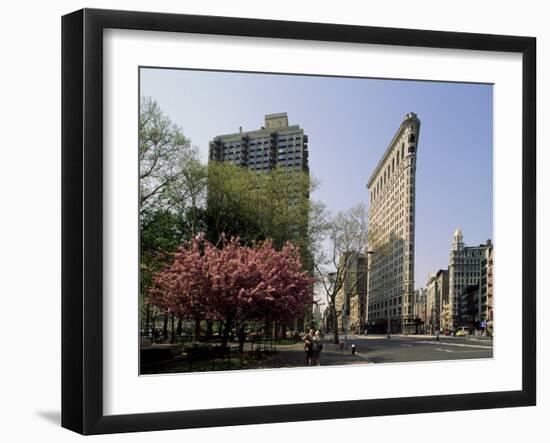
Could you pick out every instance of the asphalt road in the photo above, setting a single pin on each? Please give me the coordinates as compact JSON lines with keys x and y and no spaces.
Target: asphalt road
{"x":380,"y":349}
{"x":373,"y":349}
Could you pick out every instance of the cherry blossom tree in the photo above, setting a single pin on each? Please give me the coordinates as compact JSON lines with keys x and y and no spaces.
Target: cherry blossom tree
{"x":234,"y":283}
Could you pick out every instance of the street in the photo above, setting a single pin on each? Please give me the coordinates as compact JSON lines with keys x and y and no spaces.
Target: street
{"x":399,"y":348}
{"x":373,"y":349}
{"x":379,"y":349}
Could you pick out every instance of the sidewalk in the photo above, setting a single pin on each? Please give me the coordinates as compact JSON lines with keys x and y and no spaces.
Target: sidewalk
{"x":417,"y":336}
{"x":291,"y":356}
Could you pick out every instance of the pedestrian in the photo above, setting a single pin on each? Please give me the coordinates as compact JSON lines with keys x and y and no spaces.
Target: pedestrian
{"x":316,"y":348}
{"x":308,"y":348}
{"x":437,"y":335}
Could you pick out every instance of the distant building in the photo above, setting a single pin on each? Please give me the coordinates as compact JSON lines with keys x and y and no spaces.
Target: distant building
{"x":464,"y":271}
{"x":476,"y":301}
{"x":469,"y":307}
{"x":486,"y":291}
{"x":437,"y":295}
{"x":420,"y":309}
{"x":445,"y":317}
{"x":391,"y":233}
{"x":317,"y":316}
{"x":351,"y":299}
{"x":276,"y":144}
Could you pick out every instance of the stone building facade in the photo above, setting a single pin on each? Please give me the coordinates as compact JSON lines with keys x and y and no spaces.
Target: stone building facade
{"x":465,"y":270}
{"x":392,"y":233}
{"x":486,"y":291}
{"x":351,"y":299}
{"x":420,"y":309}
{"x":437,"y":295}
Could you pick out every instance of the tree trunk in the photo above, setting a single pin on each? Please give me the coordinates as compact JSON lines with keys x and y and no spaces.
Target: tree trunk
{"x":226,"y":331}
{"x":147,"y":317}
{"x":283,"y":332}
{"x":153,"y":327}
{"x":197,"y":328}
{"x":165,"y":328}
{"x":268,"y":328}
{"x":172,"y":338}
{"x":178,"y":327}
{"x":335,"y":324}
{"x":209,"y":330}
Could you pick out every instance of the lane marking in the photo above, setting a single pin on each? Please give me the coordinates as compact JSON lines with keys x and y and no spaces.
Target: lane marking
{"x":407,"y":346}
{"x":444,"y":350}
{"x":462,"y":345}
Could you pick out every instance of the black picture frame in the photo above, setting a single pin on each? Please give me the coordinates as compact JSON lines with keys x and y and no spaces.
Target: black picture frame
{"x":82,"y":218}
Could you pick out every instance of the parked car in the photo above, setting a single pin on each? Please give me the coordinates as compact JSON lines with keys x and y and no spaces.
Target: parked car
{"x":462,"y":332}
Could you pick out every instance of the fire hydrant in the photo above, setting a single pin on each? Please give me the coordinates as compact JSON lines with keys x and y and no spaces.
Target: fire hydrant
{"x":352,"y":349}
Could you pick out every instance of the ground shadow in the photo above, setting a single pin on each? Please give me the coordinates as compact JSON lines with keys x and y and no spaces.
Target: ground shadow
{"x":54,"y":417}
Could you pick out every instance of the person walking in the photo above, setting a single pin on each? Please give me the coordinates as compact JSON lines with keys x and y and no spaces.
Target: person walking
{"x":316,"y":348}
{"x":308,"y":346}
{"x":437,"y":335}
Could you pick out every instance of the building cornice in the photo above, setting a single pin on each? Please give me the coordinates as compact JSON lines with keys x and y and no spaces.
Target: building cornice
{"x":258,"y":133}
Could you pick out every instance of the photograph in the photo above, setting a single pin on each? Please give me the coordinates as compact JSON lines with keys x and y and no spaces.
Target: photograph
{"x":298,"y":220}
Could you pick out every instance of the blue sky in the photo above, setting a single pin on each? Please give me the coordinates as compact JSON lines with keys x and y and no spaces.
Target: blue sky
{"x":350,"y":122}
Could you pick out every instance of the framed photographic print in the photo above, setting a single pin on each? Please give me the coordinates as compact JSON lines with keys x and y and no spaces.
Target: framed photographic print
{"x":269,"y":221}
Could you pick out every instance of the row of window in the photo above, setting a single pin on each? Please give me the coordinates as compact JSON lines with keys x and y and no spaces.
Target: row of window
{"x":290,"y":138}
{"x":289,"y":157}
{"x":465,"y":274}
{"x":290,"y":163}
{"x":384,"y":314}
{"x":392,"y":166}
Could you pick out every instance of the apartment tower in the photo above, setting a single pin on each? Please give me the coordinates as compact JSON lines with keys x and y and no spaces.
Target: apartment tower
{"x":276,"y":144}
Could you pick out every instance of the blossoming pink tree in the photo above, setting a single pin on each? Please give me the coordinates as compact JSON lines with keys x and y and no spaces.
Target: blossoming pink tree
{"x":234,"y":284}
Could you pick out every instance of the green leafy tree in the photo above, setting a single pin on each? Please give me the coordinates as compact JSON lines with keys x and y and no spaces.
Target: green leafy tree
{"x":233,"y":203}
{"x":256,"y":206}
{"x":172,"y":189}
{"x":169,"y":167}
